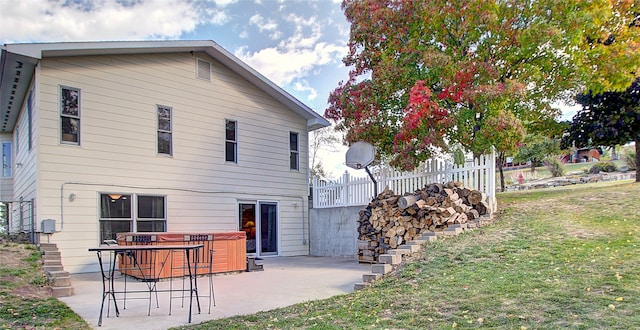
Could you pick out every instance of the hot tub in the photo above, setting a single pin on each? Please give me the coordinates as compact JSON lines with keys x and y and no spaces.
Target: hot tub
{"x":222,"y":253}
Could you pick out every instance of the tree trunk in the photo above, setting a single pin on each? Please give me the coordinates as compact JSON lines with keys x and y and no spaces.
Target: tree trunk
{"x":637,"y":141}
{"x":501,"y":158}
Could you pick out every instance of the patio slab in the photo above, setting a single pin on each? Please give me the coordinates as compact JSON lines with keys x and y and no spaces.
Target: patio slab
{"x":284,"y":281}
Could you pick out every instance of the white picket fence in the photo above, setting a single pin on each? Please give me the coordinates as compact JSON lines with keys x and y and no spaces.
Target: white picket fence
{"x":348,"y":190}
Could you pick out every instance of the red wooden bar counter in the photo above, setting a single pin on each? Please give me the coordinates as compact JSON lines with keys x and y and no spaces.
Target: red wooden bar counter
{"x":223,"y":252}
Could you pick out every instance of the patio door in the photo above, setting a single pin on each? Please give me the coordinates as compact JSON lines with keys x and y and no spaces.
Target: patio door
{"x":260,"y":222}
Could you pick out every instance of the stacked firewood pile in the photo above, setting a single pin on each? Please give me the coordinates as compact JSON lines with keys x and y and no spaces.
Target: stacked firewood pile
{"x":391,"y":220}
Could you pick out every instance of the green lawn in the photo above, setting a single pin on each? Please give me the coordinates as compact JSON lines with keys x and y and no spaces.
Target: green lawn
{"x":25,"y":299}
{"x":555,"y":258}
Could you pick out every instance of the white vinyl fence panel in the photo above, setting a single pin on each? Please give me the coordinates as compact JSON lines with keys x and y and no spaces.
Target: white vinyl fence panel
{"x":480,"y":174}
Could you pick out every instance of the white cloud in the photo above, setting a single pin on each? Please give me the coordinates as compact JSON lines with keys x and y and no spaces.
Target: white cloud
{"x":295,"y":57}
{"x":99,"y":20}
{"x":303,"y":86}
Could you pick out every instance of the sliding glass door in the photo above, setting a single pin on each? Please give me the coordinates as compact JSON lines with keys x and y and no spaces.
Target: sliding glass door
{"x":260,"y":222}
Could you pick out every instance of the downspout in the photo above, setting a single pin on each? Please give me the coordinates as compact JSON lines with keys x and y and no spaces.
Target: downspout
{"x":304,"y":238}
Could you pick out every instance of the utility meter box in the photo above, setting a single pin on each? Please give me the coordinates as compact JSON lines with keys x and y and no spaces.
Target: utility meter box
{"x":48,"y":226}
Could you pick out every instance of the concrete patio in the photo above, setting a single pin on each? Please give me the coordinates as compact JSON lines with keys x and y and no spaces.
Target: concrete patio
{"x":284,"y":281}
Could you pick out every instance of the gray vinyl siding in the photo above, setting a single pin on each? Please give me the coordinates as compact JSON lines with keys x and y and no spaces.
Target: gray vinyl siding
{"x":118,"y":151}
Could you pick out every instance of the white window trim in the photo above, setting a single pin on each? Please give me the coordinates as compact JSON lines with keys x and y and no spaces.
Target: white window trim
{"x":170,"y":131}
{"x":235,"y":142}
{"x":297,"y":152}
{"x":61,"y":115}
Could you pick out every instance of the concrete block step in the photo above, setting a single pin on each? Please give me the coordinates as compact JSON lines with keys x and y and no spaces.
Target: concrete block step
{"x":398,"y":251}
{"x":458,"y":225}
{"x":371,"y":277}
{"x":51,"y":254}
{"x":51,"y":262}
{"x":452,"y":231}
{"x":381,"y":268}
{"x":50,"y":268}
{"x":391,"y":259}
{"x":64,"y":291}
{"x":429,"y":238}
{"x":360,"y":286}
{"x":412,"y":248}
{"x":60,"y":281}
{"x":48,"y":247}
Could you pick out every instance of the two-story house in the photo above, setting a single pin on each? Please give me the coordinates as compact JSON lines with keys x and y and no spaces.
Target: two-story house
{"x":153,"y":136}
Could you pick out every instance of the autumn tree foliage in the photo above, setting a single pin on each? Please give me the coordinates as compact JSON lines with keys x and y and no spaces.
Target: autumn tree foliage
{"x":504,"y":132}
{"x":428,"y":73}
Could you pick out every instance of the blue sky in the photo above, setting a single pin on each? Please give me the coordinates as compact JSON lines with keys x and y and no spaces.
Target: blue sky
{"x":297,"y":44}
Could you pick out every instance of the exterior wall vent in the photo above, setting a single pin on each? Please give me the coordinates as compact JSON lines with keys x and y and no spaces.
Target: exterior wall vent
{"x":203,"y":69}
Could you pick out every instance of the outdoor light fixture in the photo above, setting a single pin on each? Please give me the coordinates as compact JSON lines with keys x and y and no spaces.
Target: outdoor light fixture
{"x":114,"y":197}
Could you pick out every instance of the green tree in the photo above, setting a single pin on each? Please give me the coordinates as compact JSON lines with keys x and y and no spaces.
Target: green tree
{"x":425,"y":73}
{"x":536,"y":149}
{"x":608,"y":119}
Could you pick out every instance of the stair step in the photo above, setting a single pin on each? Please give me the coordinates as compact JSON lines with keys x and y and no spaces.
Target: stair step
{"x":371,"y":277}
{"x":391,"y":259}
{"x":410,"y":247}
{"x":381,"y":268}
{"x":360,"y":286}
{"x":64,"y":291}
{"x":56,"y":282}
{"x":50,"y":268}
{"x":48,"y":247}
{"x":52,"y":254}
{"x":52,"y":262}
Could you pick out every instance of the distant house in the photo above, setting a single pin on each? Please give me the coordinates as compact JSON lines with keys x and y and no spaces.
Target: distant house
{"x":177,"y":136}
{"x":583,"y":155}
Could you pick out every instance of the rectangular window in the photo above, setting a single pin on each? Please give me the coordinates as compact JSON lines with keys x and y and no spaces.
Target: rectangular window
{"x":294,"y":151}
{"x":151,"y":214}
{"x":165,"y":140}
{"x":6,"y":159}
{"x":70,"y":115}
{"x":115,"y":215}
{"x":231,"y":141}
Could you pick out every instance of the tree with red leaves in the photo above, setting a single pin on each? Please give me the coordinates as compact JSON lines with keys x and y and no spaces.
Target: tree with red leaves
{"x":425,"y":74}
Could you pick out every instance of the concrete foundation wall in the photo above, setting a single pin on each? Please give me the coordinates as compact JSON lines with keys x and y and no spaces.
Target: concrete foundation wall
{"x":333,"y":231}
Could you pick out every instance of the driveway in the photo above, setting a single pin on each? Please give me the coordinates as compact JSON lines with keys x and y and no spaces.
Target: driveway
{"x":284,"y":281}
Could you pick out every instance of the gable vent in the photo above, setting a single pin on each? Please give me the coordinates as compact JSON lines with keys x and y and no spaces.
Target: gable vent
{"x":203,"y":69}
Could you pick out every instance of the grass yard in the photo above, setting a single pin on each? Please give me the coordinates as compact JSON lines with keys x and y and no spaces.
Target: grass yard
{"x":25,"y":298}
{"x":556,"y":258}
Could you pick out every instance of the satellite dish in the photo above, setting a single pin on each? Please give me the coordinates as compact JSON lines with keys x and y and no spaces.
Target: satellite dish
{"x":360,"y":155}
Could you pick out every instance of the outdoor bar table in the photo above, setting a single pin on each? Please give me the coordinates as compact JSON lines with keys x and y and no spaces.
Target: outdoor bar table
{"x":149,"y":276}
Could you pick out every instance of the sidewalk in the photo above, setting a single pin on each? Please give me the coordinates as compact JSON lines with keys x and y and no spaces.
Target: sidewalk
{"x":284,"y":281}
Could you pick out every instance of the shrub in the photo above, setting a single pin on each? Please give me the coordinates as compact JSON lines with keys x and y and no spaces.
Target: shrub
{"x":603,"y":167}
{"x":630,"y":158}
{"x":554,"y":166}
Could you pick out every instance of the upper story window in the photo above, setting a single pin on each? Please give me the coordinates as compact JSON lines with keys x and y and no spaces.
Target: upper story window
{"x":6,"y":159}
{"x":231,"y":141}
{"x":165,"y":141}
{"x":70,"y":115}
{"x":203,"y":69}
{"x":294,"y":151}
